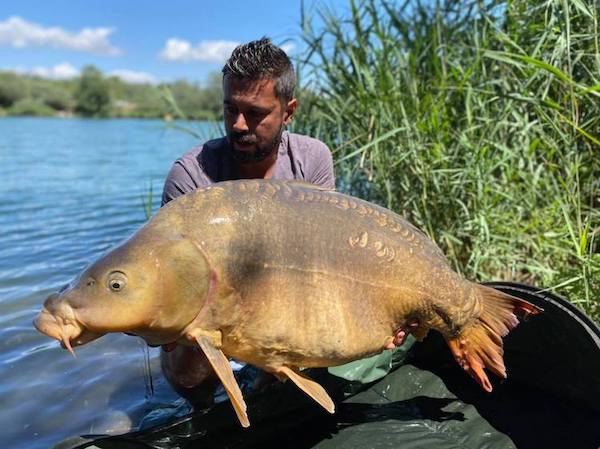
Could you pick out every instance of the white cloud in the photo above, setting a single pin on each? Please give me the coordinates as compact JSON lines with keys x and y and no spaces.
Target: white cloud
{"x":58,"y":72}
{"x":67,"y":71}
{"x":131,"y":76}
{"x":288,"y":48}
{"x":205,"y":51}
{"x":20,"y":33}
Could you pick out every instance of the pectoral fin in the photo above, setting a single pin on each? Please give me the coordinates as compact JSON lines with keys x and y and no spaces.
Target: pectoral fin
{"x":221,"y":366}
{"x":309,"y":386}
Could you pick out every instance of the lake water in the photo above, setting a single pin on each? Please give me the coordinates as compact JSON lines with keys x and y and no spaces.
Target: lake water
{"x":69,"y":190}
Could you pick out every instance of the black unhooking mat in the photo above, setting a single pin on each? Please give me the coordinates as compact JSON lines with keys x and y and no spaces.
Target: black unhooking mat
{"x":550,"y":400}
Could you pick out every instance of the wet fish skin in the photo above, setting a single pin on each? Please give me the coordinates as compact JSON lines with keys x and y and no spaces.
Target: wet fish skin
{"x":283,"y":276}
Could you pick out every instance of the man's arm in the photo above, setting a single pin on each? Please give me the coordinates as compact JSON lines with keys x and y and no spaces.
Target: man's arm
{"x":179,"y":182}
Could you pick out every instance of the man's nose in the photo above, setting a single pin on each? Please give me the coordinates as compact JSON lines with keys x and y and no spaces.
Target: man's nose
{"x":240,"y":124}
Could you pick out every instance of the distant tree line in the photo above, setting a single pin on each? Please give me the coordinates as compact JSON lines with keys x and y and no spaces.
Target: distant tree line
{"x":93,"y":94}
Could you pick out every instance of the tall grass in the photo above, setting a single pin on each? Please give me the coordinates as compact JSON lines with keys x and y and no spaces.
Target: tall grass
{"x":477,"y":120}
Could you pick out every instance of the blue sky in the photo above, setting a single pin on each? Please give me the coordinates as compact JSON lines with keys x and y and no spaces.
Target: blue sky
{"x":142,"y":40}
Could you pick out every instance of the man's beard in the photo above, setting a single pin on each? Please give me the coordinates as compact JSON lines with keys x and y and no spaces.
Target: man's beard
{"x":260,"y":154}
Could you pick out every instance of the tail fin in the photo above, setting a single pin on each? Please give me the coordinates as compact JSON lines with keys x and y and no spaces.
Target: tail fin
{"x":479,"y":345}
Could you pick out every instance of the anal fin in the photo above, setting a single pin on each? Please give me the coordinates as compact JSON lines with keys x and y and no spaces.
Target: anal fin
{"x":220,"y":364}
{"x":309,"y":386}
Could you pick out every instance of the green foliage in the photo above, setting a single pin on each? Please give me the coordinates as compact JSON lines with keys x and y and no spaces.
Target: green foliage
{"x":212,"y":96}
{"x":196,"y":103}
{"x":12,"y":89}
{"x":95,"y":95}
{"x":180,"y":122}
{"x":479,"y":121}
{"x":28,"y":106}
{"x":57,"y":97}
{"x":92,"y":97}
{"x":147,"y":201}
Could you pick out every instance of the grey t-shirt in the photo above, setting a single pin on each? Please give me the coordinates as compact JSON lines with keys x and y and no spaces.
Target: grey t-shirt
{"x":299,"y":158}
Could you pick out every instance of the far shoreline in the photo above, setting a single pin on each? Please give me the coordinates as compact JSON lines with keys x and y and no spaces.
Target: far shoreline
{"x":81,"y":117}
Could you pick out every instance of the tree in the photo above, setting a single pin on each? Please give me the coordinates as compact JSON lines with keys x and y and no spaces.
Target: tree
{"x":92,"y":97}
{"x":12,"y":89}
{"x":212,"y":95}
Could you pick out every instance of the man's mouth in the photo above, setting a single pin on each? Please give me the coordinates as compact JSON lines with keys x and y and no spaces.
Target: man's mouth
{"x":244,"y":145}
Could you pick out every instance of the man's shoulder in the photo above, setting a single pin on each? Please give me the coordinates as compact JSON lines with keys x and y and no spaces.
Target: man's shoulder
{"x":199,"y":167}
{"x":307,"y":143}
{"x":313,"y":159}
{"x":308,"y":150}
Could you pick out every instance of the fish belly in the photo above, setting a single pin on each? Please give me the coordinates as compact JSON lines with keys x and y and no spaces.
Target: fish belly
{"x":310,"y":320}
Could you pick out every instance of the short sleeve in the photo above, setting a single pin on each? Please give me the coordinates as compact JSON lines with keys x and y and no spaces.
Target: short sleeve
{"x":322,"y":173}
{"x":178,"y":182}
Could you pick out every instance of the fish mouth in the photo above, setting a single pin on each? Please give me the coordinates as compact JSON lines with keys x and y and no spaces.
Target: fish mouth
{"x":64,"y":328}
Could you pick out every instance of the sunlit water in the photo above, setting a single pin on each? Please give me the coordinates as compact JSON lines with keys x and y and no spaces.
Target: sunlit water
{"x":70,"y":190}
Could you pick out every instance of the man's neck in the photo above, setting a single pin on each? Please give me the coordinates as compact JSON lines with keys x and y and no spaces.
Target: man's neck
{"x":257,"y":170}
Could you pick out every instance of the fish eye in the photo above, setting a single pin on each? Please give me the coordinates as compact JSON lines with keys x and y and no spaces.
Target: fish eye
{"x":117,"y":281}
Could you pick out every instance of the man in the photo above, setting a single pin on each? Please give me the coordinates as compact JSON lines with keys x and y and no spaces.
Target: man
{"x":258,"y":104}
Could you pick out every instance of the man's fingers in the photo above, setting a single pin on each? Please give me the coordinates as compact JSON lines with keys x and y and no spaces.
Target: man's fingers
{"x":169,"y":347}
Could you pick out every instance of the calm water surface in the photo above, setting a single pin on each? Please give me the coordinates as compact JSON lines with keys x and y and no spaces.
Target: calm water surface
{"x":70,"y":190}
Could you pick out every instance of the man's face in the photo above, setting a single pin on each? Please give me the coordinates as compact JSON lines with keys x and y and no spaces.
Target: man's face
{"x":254,"y":117}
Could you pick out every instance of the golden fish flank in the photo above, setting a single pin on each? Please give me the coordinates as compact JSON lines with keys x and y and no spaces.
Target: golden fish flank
{"x":282,"y":275}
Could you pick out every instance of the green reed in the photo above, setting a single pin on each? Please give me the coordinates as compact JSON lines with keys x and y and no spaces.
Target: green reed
{"x":477,"y":120}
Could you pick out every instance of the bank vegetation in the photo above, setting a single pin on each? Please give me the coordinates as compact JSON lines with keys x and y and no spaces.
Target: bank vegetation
{"x":477,"y":120}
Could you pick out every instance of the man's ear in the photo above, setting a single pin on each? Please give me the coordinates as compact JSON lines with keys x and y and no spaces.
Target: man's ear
{"x":290,"y":109}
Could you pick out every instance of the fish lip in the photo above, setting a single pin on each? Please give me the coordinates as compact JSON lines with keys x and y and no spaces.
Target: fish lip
{"x":67,"y":330}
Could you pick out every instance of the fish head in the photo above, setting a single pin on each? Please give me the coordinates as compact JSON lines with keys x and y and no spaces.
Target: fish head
{"x":152,"y":288}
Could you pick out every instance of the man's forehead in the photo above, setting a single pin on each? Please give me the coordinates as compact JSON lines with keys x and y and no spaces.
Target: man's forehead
{"x":264,"y":87}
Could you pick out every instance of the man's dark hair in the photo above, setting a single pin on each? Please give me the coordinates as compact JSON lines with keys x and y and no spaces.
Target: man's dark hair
{"x":261,"y":59}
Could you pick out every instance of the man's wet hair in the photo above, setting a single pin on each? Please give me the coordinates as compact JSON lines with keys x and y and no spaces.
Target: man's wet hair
{"x":259,"y":60}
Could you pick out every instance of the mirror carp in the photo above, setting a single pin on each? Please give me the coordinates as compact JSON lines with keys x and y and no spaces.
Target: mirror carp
{"x":283,"y":276}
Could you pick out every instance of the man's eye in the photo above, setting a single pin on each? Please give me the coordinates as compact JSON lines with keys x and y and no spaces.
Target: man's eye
{"x":256,"y":113}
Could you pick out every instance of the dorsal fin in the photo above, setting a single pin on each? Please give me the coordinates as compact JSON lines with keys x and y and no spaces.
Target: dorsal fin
{"x":309,"y":185}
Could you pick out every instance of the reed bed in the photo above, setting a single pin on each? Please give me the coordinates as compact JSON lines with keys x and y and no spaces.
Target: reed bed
{"x":477,"y":120}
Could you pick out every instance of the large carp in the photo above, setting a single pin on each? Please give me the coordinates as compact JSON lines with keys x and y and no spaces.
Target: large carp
{"x":282,"y":276}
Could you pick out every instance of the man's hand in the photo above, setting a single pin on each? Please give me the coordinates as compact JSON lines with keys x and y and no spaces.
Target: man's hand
{"x":169,"y":347}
